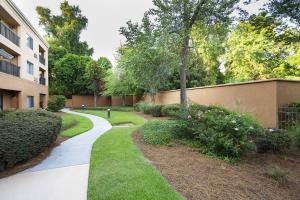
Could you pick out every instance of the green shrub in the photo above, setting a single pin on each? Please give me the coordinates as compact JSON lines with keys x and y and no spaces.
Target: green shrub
{"x":279,"y":174}
{"x":155,"y":110}
{"x":158,"y":132}
{"x":294,"y":133}
{"x":56,"y":103}
{"x":114,"y":108}
{"x":171,"y":110}
{"x":143,"y":107}
{"x":220,"y":132}
{"x":295,"y":104}
{"x":25,"y":134}
{"x":273,"y":140}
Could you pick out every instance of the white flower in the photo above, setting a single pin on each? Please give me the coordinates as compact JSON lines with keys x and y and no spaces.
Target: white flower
{"x":251,"y":127}
{"x":199,"y":114}
{"x":189,"y":117}
{"x":233,"y":121}
{"x":236,"y":129}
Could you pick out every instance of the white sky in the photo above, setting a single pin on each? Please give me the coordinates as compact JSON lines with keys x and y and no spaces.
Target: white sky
{"x":105,"y":19}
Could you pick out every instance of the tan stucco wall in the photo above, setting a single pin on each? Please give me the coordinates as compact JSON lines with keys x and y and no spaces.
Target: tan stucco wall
{"x":288,"y":92}
{"x":118,"y":101}
{"x":24,"y":88}
{"x":78,"y":101}
{"x":258,"y":98}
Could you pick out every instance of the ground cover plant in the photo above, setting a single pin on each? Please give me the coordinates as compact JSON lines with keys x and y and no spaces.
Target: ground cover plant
{"x":25,"y":134}
{"x":117,"y":117}
{"x":73,"y":125}
{"x":214,"y":130}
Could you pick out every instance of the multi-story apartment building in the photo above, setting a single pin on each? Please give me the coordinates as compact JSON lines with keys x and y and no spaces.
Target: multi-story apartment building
{"x":23,"y":61}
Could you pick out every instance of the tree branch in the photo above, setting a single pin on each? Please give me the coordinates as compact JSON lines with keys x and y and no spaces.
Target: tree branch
{"x":196,"y":12}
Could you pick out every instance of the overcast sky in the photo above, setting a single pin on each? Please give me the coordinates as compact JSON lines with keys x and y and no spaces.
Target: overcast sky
{"x":105,"y":19}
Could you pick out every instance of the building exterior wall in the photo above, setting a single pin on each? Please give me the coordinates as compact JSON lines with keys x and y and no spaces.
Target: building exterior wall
{"x":26,"y":84}
{"x":258,"y":98}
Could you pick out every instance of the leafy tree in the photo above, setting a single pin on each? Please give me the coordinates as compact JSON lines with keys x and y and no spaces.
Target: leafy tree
{"x":66,"y":27}
{"x":256,"y":50}
{"x":118,"y":83}
{"x":179,"y":17}
{"x":70,"y":75}
{"x":147,"y":58}
{"x":287,"y":9}
{"x":104,"y":63}
{"x":94,"y":73}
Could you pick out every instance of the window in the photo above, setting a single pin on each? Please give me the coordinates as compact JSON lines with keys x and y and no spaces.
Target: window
{"x":30,"y":102}
{"x":29,"y":68}
{"x":29,"y":42}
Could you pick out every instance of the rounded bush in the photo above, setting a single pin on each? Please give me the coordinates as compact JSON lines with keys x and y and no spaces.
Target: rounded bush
{"x":155,"y":110}
{"x":221,"y":132}
{"x":158,"y":132}
{"x":25,"y":134}
{"x":273,"y":140}
{"x":56,"y":103}
{"x":171,"y":110}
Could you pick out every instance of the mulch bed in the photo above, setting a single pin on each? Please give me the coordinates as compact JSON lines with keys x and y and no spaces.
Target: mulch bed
{"x":197,"y":176}
{"x":34,"y":161}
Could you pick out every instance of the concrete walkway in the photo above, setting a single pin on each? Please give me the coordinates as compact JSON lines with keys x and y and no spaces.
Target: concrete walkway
{"x":61,"y":176}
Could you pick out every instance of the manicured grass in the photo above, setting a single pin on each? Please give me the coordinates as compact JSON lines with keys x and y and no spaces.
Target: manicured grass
{"x":73,"y":125}
{"x":119,"y":171}
{"x":117,"y":117}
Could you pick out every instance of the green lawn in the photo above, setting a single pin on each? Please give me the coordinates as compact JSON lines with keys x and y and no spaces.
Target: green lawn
{"x":117,"y":117}
{"x":119,"y":171}
{"x":73,"y":125}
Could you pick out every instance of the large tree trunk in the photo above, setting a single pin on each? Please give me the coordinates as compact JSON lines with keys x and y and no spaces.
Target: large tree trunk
{"x":95,"y":93}
{"x":183,"y":95}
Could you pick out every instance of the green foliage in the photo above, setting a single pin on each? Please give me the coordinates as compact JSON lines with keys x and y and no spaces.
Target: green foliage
{"x":255,"y":50}
{"x":66,"y":27}
{"x":56,"y":103}
{"x":158,"y":132}
{"x":279,"y":174}
{"x":104,"y":63}
{"x":274,"y":140}
{"x":171,"y":110}
{"x":294,"y":134}
{"x":70,"y":75}
{"x":143,"y":107}
{"x":25,"y":134}
{"x":221,"y":132}
{"x":156,"y":110}
{"x":285,"y":9}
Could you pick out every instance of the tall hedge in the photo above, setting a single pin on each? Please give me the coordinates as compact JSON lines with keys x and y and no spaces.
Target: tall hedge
{"x":25,"y":134}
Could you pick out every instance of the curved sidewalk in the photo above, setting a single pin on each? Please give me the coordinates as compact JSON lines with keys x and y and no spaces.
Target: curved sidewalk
{"x":61,"y":176}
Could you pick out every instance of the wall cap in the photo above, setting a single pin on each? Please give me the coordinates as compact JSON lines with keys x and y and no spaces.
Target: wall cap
{"x":239,"y":83}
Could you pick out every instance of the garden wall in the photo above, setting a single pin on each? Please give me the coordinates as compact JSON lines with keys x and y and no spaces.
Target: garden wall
{"x":78,"y":101}
{"x":258,"y":98}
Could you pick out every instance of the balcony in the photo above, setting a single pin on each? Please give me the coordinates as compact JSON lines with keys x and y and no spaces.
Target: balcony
{"x":9,"y":34}
{"x":42,"y":60}
{"x":42,"y":81}
{"x":9,"y":68}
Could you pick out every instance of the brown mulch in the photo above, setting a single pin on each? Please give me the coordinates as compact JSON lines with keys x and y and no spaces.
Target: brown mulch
{"x":34,"y":161}
{"x":196,"y":176}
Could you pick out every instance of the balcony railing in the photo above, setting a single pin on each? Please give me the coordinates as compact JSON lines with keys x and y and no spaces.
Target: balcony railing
{"x":9,"y":68}
{"x":42,"y":59}
{"x":42,"y":81}
{"x":9,"y":34}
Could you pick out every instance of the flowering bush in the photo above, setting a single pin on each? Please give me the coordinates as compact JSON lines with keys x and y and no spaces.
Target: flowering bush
{"x":221,"y":132}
